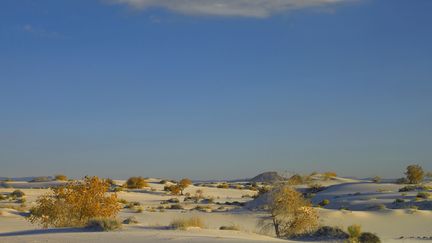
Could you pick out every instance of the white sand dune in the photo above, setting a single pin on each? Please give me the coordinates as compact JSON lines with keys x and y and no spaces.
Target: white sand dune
{"x":357,"y":195}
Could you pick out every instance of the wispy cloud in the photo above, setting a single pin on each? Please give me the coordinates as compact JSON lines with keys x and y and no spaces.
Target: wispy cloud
{"x":242,"y":8}
{"x":41,"y":32}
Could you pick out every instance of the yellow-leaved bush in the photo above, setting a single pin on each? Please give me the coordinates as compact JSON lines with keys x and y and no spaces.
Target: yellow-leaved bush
{"x":74,"y":204}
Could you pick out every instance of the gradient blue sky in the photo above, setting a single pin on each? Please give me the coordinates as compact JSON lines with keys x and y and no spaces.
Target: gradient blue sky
{"x":172,"y":89}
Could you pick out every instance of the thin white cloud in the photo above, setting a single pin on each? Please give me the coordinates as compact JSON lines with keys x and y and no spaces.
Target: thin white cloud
{"x":243,"y":8}
{"x":41,"y":32}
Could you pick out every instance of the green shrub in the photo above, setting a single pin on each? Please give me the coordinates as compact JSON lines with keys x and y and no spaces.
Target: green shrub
{"x":368,"y":237}
{"x":324,"y":202}
{"x":354,"y":231}
{"x":104,"y":224}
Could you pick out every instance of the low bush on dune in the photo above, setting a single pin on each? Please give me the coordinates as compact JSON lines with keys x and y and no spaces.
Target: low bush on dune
{"x":17,"y":193}
{"x":74,"y":204}
{"x":423,"y":195}
{"x":231,"y":227}
{"x":184,"y":224}
{"x":325,"y":233}
{"x":376,"y":179}
{"x":136,"y":183}
{"x":368,"y":237}
{"x":104,"y":224}
{"x":60,"y":178}
{"x":130,"y":220}
{"x":41,"y":179}
{"x":324,"y":202}
{"x":354,"y":232}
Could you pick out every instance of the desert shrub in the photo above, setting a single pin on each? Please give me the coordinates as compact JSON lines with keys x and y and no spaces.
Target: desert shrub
{"x":117,"y":189}
{"x":74,"y":204}
{"x":414,"y":174}
{"x":408,"y":188}
{"x":110,"y":181}
{"x":60,"y":178}
{"x":368,"y":237}
{"x":223,"y":185}
{"x":173,"y":200}
{"x":123,"y":201}
{"x":399,"y":200}
{"x":17,"y":193}
{"x":173,"y":189}
{"x":315,"y":187}
{"x":381,"y":207}
{"x":291,"y":214}
{"x":324,"y":202}
{"x":163,"y":182}
{"x":295,"y":180}
{"x":183,"y":183}
{"x":41,"y":179}
{"x":329,"y":174}
{"x":354,"y":232}
{"x":104,"y":224}
{"x":376,"y":179}
{"x":230,"y":227}
{"x":184,"y":224}
{"x":130,"y":220}
{"x":176,"y":206}
{"x":327,"y":233}
{"x":136,"y":183}
{"x":2,"y":197}
{"x":402,"y":180}
{"x":423,"y":195}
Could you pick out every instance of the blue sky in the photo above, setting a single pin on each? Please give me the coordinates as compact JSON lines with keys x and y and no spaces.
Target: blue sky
{"x":214,"y":88}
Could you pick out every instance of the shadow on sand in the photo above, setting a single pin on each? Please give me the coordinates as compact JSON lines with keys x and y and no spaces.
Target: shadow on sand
{"x":45,"y":231}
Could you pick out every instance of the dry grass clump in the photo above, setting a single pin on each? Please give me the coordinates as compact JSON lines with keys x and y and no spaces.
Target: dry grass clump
{"x":74,"y":204}
{"x":130,"y":220}
{"x":184,"y":224}
{"x":136,"y":183}
{"x":104,"y":224}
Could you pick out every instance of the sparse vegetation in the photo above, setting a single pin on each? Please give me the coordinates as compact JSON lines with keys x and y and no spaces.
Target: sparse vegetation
{"x":104,"y":224}
{"x":136,"y":183}
{"x":184,"y":224}
{"x":74,"y":204}
{"x":376,"y":179}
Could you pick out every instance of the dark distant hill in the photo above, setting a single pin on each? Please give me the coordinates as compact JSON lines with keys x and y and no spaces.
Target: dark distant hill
{"x":29,"y":178}
{"x":270,"y":176}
